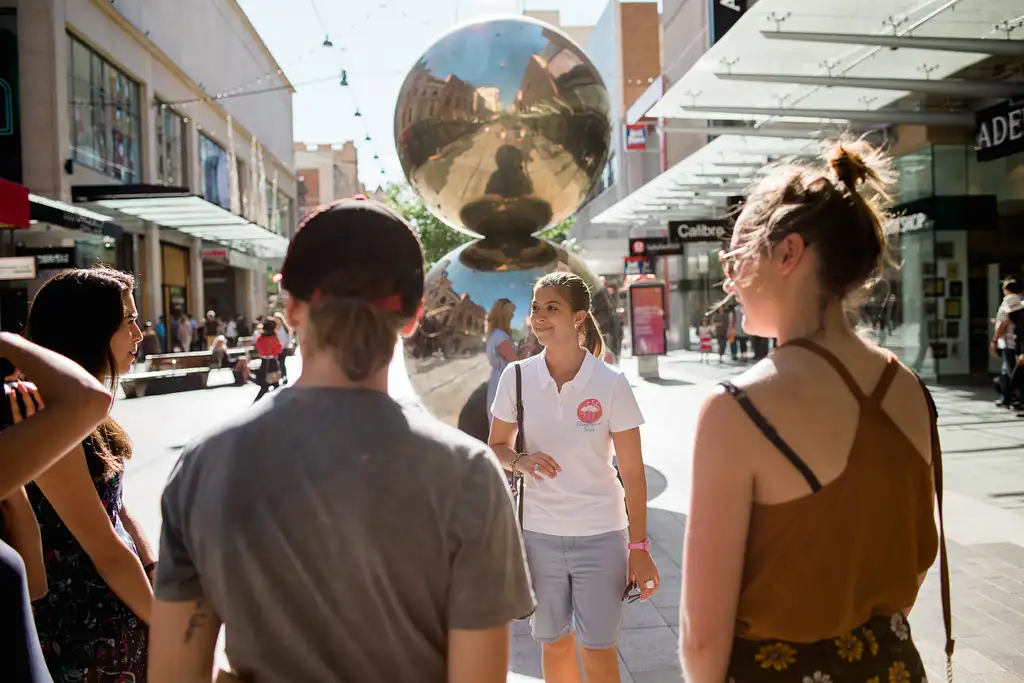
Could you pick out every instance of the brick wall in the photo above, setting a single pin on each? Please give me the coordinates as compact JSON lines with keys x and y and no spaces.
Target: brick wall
{"x":311,"y":177}
{"x":641,"y":49}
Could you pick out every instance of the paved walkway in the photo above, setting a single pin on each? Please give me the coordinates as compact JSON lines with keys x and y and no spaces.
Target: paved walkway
{"x":984,"y":467}
{"x":984,"y":471}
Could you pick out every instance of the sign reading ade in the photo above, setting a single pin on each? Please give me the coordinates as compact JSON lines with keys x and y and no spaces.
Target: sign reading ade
{"x":999,"y":130}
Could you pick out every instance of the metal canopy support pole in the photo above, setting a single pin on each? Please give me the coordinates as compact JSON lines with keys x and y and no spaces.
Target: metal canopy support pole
{"x":924,"y":118}
{"x":746,"y":131}
{"x":981,"y":46}
{"x":948,"y":86}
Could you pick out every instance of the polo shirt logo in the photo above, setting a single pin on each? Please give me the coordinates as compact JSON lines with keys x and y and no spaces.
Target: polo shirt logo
{"x":589,"y":411}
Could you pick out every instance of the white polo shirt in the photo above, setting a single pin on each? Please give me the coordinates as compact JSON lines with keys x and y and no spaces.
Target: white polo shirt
{"x":574,"y":427}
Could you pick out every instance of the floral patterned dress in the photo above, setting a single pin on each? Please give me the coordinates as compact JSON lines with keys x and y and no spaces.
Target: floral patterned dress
{"x":880,"y":651}
{"x":87,"y":633}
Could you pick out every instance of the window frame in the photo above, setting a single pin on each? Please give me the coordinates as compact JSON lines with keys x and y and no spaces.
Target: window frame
{"x":165,"y":112}
{"x":223,"y":202}
{"x":111,"y":141}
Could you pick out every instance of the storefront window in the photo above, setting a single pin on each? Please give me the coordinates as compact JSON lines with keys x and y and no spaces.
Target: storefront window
{"x":951,"y":169}
{"x":271,"y":222}
{"x":901,"y":309}
{"x":170,"y":146}
{"x":915,"y":173}
{"x":285,"y":222}
{"x":701,"y":286}
{"x":216,"y":177}
{"x":105,"y":132}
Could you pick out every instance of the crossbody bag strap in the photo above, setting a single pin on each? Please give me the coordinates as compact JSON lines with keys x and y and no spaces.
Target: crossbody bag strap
{"x":947,"y":609}
{"x":518,"y":484}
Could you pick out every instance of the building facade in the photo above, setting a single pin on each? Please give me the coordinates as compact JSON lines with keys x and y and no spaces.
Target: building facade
{"x":327,"y":173}
{"x":625,"y":46}
{"x":158,"y":139}
{"x":736,"y":96}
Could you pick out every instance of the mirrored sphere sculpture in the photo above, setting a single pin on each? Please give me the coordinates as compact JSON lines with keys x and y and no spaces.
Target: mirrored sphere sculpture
{"x":503,"y":129}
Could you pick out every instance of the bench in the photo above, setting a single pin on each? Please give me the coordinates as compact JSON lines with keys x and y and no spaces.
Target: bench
{"x":190,"y":359}
{"x":170,"y":372}
{"x":138,"y":384}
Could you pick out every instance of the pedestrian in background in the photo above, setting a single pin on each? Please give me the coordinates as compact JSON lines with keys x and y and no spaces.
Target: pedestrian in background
{"x":339,"y":535}
{"x":811,"y":524}
{"x":92,"y":623}
{"x":1008,"y":337}
{"x":587,"y":556}
{"x":704,"y":339}
{"x":211,"y":329}
{"x":268,"y":349}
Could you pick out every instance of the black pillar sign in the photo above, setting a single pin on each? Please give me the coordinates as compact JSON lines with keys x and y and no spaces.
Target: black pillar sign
{"x":724,"y":15}
{"x":713,"y":230}
{"x":49,"y":258}
{"x":10,"y":128}
{"x":999,"y":130}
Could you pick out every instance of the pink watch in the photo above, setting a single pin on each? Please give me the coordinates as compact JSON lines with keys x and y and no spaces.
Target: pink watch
{"x":644,"y":545}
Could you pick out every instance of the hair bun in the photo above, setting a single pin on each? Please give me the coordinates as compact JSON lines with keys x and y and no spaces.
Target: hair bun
{"x":848,"y":165}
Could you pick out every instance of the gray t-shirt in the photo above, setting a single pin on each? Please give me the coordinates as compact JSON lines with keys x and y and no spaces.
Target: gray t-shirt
{"x":339,"y":536}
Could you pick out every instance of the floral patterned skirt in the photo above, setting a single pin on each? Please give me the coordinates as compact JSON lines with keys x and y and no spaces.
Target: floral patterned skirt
{"x":879,"y":651}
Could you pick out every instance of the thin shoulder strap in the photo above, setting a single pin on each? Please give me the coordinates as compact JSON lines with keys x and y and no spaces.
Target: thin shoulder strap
{"x":947,"y":611}
{"x":836,"y":364}
{"x":885,"y":381}
{"x":773,"y":436}
{"x":518,"y":483}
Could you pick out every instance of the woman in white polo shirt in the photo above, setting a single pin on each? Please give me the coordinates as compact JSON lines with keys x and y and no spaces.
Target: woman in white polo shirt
{"x":582,"y":549}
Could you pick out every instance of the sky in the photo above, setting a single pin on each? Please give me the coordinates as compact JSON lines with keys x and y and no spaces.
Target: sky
{"x":376,"y":44}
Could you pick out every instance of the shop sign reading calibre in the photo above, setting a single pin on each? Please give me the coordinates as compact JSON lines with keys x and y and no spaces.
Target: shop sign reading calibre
{"x":698,"y":231}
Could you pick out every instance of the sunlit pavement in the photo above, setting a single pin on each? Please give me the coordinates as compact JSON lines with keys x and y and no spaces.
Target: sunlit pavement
{"x":984,"y":464}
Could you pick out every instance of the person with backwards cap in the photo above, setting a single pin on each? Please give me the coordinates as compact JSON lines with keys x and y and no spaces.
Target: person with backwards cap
{"x":384,"y":547}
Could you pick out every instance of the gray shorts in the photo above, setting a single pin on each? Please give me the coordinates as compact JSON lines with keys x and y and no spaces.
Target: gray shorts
{"x":578,"y":582}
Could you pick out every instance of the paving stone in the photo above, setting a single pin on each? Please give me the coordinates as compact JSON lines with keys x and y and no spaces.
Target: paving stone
{"x":650,"y":649}
{"x":643,"y":615}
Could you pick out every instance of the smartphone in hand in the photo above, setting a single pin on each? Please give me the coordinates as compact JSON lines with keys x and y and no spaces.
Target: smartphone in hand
{"x":6,"y":407}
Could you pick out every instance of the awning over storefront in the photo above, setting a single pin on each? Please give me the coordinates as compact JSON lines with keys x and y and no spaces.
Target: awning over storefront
{"x":64,"y":215}
{"x":803,"y":40}
{"x":699,"y":186}
{"x":19,"y":209}
{"x":178,"y":209}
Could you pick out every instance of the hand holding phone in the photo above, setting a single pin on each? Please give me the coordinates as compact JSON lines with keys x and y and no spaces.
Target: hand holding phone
{"x":21,"y":401}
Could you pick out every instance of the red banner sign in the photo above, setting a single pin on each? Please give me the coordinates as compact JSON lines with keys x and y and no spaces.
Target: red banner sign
{"x":647,"y":319}
{"x":14,"y":205}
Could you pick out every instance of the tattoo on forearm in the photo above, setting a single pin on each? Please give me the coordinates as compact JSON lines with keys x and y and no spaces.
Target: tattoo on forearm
{"x":197,"y":620}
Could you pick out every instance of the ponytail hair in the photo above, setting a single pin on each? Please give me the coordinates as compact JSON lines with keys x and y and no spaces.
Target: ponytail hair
{"x":590,"y":336}
{"x":577,"y":294}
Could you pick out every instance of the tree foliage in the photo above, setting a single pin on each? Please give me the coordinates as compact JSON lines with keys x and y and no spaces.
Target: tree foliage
{"x":437,"y":237}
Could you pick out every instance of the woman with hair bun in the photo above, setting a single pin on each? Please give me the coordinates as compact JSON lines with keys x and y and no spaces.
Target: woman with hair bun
{"x":337,"y":534}
{"x":811,"y":524}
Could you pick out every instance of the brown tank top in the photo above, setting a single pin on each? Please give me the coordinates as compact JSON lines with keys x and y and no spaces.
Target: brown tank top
{"x":823,"y":564}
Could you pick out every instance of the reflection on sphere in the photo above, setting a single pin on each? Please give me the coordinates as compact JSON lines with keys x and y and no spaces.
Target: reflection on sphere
{"x":445,"y":359}
{"x":502,"y":127}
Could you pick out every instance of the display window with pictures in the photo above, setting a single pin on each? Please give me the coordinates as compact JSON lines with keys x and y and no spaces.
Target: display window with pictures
{"x":171,"y":147}
{"x":104,"y":116}
{"x":918,"y":309}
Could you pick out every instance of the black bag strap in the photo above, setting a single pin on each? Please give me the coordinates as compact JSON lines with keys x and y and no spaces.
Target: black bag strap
{"x":947,"y":608}
{"x":518,"y":484}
